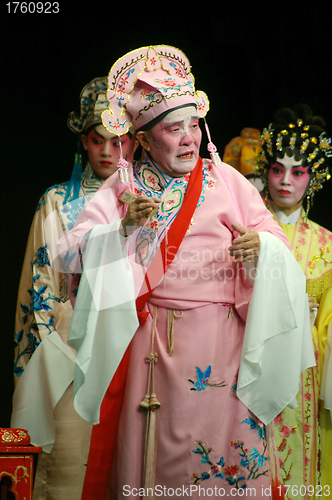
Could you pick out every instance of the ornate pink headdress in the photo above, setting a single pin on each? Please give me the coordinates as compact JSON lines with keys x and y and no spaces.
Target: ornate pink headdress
{"x":146,"y":83}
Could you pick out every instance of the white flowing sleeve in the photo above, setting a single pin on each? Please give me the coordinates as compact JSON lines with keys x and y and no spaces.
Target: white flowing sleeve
{"x":105,"y":318}
{"x":277,"y":343}
{"x":32,"y":408}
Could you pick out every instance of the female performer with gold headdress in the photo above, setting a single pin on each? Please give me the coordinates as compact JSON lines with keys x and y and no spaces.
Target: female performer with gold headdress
{"x":293,"y":164}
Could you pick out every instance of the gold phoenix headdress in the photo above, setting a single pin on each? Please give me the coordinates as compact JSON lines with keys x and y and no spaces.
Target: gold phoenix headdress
{"x":299,"y":140}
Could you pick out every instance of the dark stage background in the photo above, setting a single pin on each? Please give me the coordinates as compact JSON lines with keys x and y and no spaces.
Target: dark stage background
{"x":249,"y":59}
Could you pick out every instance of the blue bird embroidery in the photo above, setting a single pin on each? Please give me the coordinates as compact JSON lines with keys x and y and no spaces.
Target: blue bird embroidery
{"x":202,"y":381}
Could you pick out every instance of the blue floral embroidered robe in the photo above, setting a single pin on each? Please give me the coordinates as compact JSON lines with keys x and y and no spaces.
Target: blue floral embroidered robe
{"x":44,"y":308}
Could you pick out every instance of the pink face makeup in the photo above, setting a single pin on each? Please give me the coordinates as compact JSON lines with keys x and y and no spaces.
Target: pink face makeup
{"x":175,"y":141}
{"x":287,"y":181}
{"x":104,"y":150}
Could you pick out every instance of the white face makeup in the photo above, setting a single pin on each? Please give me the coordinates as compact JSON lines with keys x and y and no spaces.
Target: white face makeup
{"x":175,"y":141}
{"x":287,"y":183}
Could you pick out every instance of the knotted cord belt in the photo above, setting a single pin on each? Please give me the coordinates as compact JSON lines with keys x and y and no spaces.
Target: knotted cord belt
{"x":150,"y":404}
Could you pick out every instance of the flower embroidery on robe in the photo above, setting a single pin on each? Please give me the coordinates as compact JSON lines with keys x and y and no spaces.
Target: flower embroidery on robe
{"x":215,"y":469}
{"x":211,"y":184}
{"x":324,"y":236}
{"x":202,"y":381}
{"x":42,"y":257}
{"x":298,"y":255}
{"x":60,"y":189}
{"x":36,"y":315}
{"x":152,"y":180}
{"x":148,"y":96}
{"x":285,"y":431}
{"x":152,"y":225}
{"x":70,"y":212}
{"x":38,"y":302}
{"x":251,"y":463}
{"x":302,"y":241}
{"x":172,"y":200}
{"x":303,"y":227}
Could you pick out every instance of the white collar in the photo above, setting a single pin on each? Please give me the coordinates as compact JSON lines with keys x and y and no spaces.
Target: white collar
{"x":287,"y":219}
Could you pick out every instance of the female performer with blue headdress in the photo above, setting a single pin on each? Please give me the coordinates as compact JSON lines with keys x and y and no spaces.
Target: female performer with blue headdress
{"x":44,"y":363}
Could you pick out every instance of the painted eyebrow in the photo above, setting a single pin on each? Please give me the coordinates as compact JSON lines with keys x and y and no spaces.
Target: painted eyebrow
{"x":296,"y":166}
{"x":102,"y":137}
{"x":99,"y":135}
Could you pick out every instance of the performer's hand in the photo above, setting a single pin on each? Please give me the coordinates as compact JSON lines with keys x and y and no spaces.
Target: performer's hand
{"x":313,"y":306}
{"x":138,"y":212}
{"x":246,"y":247}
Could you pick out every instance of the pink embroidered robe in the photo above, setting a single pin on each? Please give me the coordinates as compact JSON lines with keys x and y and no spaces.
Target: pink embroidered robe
{"x":207,"y":438}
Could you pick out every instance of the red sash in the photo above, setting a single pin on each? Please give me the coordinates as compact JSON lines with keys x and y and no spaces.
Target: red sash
{"x":104,"y":434}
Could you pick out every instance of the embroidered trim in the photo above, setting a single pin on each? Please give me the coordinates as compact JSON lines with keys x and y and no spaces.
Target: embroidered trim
{"x":306,"y":430}
{"x":90,"y":181}
{"x":153,"y":231}
{"x":167,"y":93}
{"x":317,"y":286}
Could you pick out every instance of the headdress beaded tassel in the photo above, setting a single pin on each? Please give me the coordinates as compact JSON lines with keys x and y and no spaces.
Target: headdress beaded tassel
{"x":211,"y":147}
{"x":73,"y":187}
{"x":123,"y":166}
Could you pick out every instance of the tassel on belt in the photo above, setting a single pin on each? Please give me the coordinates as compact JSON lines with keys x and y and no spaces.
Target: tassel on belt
{"x":150,"y":404}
